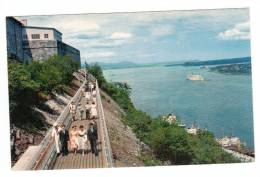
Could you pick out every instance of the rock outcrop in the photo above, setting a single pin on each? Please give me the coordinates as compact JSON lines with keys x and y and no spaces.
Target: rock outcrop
{"x":126,"y":147}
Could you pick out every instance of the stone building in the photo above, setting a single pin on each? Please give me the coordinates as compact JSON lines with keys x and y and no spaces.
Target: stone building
{"x":27,"y":43}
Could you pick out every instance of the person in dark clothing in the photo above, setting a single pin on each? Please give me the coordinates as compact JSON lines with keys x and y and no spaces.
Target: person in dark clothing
{"x":64,"y":139}
{"x":93,"y":137}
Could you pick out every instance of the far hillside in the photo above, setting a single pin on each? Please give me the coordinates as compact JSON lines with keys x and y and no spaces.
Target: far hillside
{"x":218,"y":62}
{"x":128,"y":64}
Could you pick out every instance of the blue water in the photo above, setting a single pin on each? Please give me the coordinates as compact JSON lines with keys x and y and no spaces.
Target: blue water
{"x":223,"y":104}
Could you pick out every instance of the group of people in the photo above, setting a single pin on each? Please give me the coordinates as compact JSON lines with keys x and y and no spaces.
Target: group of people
{"x":78,"y":138}
{"x":75,"y":140}
{"x":90,"y":108}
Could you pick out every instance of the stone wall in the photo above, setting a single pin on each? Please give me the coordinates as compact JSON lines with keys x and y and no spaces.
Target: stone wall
{"x":14,"y":39}
{"x":67,"y":50}
{"x":43,"y":49}
{"x":40,"y":50}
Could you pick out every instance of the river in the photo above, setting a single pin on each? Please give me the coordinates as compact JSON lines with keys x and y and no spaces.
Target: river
{"x":222,"y":103}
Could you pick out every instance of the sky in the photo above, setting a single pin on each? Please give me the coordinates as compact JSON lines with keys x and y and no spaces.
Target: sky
{"x":148,"y":37}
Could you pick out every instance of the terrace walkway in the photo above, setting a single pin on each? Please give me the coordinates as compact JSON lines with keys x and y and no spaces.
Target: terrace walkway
{"x":44,"y":155}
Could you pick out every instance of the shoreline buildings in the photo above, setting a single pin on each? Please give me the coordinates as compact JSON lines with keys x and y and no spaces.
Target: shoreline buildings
{"x":28,"y":43}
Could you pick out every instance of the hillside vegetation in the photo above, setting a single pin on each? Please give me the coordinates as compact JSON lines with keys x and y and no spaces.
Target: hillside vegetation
{"x":31,"y":84}
{"x":170,"y":143}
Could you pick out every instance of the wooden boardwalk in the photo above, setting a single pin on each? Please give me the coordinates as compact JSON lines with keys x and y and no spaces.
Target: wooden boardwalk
{"x":88,"y":160}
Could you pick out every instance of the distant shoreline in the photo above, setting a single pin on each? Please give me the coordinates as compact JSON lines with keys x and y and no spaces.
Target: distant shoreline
{"x":126,"y":64}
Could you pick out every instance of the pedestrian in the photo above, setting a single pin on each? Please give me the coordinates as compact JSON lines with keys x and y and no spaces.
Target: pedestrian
{"x":64,"y":140}
{"x":94,"y":123}
{"x":88,"y":107}
{"x":72,"y":110}
{"x":93,"y":137}
{"x":87,"y":86}
{"x":94,"y":93}
{"x":55,"y":135}
{"x":82,"y":139}
{"x":74,"y":139}
{"x":81,"y":110}
{"x":93,"y":111}
{"x":82,"y":91}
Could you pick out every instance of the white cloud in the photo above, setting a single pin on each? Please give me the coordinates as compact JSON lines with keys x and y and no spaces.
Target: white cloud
{"x":241,"y":31}
{"x":99,"y":54}
{"x":162,"y":30}
{"x":120,"y":35}
{"x":68,"y":25}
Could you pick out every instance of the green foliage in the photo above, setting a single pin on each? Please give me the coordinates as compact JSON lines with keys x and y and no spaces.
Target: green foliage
{"x":97,"y":72}
{"x":28,"y":81}
{"x":207,"y":151}
{"x":48,"y":76}
{"x":171,"y":143}
{"x":22,"y":90}
{"x":168,"y":142}
{"x":54,"y":73}
{"x":65,"y":66}
{"x":150,"y":160}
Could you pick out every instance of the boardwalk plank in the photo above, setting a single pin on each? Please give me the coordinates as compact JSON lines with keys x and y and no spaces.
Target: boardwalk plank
{"x":56,"y":163}
{"x":89,"y":160}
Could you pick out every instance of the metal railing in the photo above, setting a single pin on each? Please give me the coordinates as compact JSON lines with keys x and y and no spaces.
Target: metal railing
{"x":107,"y":147}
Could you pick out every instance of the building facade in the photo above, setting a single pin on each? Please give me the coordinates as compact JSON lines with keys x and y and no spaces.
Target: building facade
{"x":27,"y":43}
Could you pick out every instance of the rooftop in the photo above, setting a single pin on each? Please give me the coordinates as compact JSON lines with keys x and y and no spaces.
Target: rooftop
{"x":36,"y":27}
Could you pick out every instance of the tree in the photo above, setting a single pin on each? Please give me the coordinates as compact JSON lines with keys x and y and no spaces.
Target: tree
{"x":97,"y":72}
{"x":171,"y":143}
{"x":65,"y":66}
{"x":22,"y":91}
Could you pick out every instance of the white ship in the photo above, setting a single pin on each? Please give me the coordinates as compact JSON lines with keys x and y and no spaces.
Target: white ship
{"x":195,"y":77}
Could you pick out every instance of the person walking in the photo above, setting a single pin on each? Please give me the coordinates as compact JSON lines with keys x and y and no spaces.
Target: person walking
{"x":74,"y":139}
{"x":72,"y":110}
{"x":88,"y":108}
{"x":56,"y":136}
{"x":93,"y":137}
{"x":93,"y":110}
{"x":82,"y":139}
{"x":64,"y":140}
{"x":82,"y":91}
{"x":81,"y":110}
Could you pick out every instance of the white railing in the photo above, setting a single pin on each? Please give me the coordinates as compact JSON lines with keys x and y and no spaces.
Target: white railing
{"x":46,"y":154}
{"x":107,"y":147}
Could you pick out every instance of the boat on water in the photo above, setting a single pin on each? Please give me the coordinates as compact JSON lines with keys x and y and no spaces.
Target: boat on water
{"x":195,"y":77}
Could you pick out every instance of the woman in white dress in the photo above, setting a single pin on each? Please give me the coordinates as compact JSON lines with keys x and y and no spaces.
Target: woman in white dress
{"x":93,"y":111}
{"x":82,"y":139}
{"x":81,"y":110}
{"x":56,"y":136}
{"x":74,"y":139}
{"x":87,"y":95}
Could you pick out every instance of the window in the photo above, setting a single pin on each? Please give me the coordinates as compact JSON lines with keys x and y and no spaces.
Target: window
{"x":35,"y":36}
{"x":46,"y":36}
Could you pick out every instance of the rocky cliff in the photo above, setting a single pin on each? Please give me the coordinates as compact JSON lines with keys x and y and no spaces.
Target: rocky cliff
{"x":126,"y":148}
